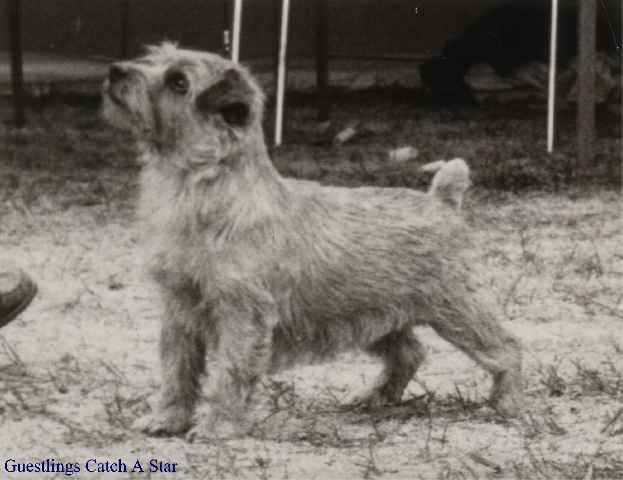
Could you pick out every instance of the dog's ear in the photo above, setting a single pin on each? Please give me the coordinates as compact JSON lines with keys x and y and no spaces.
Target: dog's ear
{"x":231,"y":97}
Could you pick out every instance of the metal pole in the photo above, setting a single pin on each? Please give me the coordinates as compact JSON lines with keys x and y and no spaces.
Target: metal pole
{"x":587,"y":27}
{"x":281,"y":74}
{"x":551,"y":94}
{"x":17,"y":72}
{"x":235,"y":50}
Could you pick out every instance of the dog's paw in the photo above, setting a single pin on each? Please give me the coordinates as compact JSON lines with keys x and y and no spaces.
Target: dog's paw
{"x":368,"y":400}
{"x":509,"y":406}
{"x":506,"y":395}
{"x":203,"y":428}
{"x":167,"y":422}
{"x":211,"y":423}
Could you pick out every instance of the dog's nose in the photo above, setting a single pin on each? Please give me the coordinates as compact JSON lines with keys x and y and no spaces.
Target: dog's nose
{"x":117,"y":72}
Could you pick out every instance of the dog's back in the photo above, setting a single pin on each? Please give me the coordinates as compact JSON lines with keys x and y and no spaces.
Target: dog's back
{"x":451,"y":181}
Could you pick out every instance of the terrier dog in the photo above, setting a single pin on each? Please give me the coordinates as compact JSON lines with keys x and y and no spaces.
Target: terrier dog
{"x":264,"y":269}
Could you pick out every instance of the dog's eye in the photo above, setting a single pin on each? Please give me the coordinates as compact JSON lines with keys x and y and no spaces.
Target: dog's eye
{"x":176,"y":81}
{"x":235,"y":113}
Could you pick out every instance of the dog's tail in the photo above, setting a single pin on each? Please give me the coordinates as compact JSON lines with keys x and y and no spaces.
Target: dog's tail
{"x":450,"y":181}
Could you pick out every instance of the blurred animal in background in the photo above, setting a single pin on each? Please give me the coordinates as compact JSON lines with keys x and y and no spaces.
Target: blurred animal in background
{"x":513,"y":39}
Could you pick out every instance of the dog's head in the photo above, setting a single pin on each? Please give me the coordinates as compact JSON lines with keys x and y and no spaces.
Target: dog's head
{"x":190,"y":106}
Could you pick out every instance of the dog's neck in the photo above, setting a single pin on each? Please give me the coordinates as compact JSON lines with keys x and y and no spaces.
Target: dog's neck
{"x":256,"y":166}
{"x":251,"y":181}
{"x":243,"y":188}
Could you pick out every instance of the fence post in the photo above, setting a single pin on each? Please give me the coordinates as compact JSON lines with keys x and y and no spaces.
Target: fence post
{"x":124,"y":50}
{"x":322,"y":59}
{"x":587,"y":26}
{"x":17,"y":73}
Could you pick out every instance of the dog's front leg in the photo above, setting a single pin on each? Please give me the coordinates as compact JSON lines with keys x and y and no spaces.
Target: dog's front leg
{"x":245,"y":348}
{"x":182,"y":356}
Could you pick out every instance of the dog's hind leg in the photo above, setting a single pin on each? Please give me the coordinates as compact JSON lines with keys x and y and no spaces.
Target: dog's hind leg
{"x":468,"y":325}
{"x":402,"y":354}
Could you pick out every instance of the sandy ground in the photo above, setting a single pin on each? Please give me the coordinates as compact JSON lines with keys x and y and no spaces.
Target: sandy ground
{"x":81,"y":364}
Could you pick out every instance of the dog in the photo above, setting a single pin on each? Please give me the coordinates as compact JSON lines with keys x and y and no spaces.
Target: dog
{"x":265,"y":270}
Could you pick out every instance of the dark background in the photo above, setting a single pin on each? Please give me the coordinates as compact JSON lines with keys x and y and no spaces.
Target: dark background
{"x":364,"y":28}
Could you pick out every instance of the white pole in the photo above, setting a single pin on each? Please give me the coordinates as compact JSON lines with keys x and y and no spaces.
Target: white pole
{"x":281,"y":73}
{"x":551,"y":94}
{"x":235,"y":49}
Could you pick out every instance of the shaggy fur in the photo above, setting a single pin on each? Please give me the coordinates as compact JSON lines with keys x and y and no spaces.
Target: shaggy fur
{"x":264,"y":269}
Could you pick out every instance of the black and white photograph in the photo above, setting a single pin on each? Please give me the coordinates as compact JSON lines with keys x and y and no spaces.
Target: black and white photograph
{"x":311,"y":239}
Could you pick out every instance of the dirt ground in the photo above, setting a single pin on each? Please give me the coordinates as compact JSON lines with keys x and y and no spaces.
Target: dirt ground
{"x":81,"y":364}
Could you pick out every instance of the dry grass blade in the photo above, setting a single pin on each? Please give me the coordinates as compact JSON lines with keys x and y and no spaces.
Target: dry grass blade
{"x":497,"y":469}
{"x":12,"y":354}
{"x":612,"y":421}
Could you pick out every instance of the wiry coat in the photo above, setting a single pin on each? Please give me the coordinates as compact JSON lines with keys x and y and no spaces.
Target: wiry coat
{"x":332,"y":258}
{"x":266,"y":269}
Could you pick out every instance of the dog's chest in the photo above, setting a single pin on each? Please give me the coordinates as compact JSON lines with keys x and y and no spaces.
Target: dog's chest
{"x":164,"y":214}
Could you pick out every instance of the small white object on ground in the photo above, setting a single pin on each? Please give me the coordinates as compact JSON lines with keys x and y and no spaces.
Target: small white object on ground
{"x":345,"y":135}
{"x":403,"y":154}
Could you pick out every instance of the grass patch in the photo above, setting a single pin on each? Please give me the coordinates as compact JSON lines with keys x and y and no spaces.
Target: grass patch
{"x":81,"y":363}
